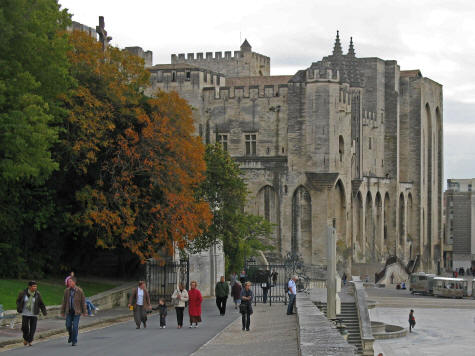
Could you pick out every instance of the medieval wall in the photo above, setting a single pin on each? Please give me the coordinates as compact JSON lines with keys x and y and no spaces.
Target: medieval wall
{"x":316,"y":150}
{"x":243,"y":63}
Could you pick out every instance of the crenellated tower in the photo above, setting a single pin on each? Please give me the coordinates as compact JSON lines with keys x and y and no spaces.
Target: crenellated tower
{"x":243,"y":63}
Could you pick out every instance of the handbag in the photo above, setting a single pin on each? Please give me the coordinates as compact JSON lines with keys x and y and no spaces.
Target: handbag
{"x":175,"y":301}
{"x":243,"y":308}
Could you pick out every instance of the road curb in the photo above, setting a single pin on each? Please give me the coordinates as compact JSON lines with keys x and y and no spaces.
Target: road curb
{"x":48,"y":333}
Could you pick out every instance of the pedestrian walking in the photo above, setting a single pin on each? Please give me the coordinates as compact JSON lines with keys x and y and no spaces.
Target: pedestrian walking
{"x":265,"y":286}
{"x":163,"y":310}
{"x":221,"y":291}
{"x":29,"y":303}
{"x":233,"y":279}
{"x":140,"y":302}
{"x":292,"y":291}
{"x":412,"y":321}
{"x":194,"y":304}
{"x":274,"y":276}
{"x":73,"y":305}
{"x":245,"y":308}
{"x":344,"y":278}
{"x":180,"y":297}
{"x":243,"y":277}
{"x":236,"y":293}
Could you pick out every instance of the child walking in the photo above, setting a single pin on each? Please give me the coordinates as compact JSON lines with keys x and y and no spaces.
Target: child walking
{"x":162,"y":308}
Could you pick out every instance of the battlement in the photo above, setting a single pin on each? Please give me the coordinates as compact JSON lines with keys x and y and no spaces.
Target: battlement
{"x":246,"y":92}
{"x":323,"y":75}
{"x":370,"y":118}
{"x":183,"y":73}
{"x":215,"y":56}
{"x":147,"y":56}
{"x":227,"y":55}
{"x":232,"y":64}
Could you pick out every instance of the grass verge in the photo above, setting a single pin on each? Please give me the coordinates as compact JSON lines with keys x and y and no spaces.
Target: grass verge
{"x":51,"y":290}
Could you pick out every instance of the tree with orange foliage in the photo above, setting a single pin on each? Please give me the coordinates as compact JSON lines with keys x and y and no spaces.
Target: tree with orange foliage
{"x":136,"y":163}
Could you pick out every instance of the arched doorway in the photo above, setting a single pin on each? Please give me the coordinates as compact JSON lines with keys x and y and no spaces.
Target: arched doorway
{"x":402,"y":221}
{"x":429,"y":180}
{"x":339,"y":212}
{"x":358,"y":221}
{"x":389,"y":226}
{"x":267,"y":207}
{"x":369,"y":227}
{"x":411,"y":228}
{"x":379,"y":225}
{"x":302,"y":224}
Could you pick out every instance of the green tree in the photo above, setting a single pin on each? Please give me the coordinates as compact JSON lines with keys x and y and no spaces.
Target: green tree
{"x":33,"y":58}
{"x":132,"y":162}
{"x":239,"y":233}
{"x":34,"y":72}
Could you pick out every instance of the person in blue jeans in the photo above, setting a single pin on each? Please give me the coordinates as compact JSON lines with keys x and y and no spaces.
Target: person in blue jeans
{"x":292,"y":290}
{"x":74,"y":304}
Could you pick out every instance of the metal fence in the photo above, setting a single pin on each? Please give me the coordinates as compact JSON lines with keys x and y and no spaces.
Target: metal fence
{"x":274,"y":278}
{"x":162,"y":279}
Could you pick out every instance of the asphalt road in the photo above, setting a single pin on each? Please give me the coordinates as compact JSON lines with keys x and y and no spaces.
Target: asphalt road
{"x":391,"y":297}
{"x":124,"y":339}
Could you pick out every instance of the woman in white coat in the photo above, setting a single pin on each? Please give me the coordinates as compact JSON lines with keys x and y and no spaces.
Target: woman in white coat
{"x":180,"y":297}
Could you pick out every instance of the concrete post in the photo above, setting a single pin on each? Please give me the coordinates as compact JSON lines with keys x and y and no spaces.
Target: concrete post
{"x":331,"y":272}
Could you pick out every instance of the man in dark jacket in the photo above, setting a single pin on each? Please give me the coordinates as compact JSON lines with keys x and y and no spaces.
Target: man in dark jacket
{"x":29,"y":303}
{"x":74,"y":304}
{"x":222,"y":292}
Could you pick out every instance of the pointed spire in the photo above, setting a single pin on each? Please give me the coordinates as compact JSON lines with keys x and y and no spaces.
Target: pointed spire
{"x":352,"y":66}
{"x":337,"y":51}
{"x":246,"y":47}
{"x":351,"y":50}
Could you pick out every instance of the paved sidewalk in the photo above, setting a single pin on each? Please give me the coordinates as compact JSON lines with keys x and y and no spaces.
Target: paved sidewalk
{"x":123,"y":339}
{"x":272,"y":333}
{"x":51,"y":326}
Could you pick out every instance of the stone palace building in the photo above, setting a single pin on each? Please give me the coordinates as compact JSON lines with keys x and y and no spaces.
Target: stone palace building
{"x":355,"y":142}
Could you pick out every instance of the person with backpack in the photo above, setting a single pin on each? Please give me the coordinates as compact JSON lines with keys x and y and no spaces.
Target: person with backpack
{"x":180,"y":297}
{"x":412,"y":321}
{"x":29,"y":303}
{"x":236,"y":293}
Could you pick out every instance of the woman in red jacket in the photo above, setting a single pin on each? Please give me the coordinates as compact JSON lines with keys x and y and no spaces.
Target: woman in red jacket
{"x":194,"y":304}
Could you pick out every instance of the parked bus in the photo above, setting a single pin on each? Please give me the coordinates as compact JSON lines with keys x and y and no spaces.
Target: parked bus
{"x":422,"y":283}
{"x":450,"y":287}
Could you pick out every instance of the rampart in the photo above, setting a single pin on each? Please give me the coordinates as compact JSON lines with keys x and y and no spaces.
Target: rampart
{"x":237,"y":64}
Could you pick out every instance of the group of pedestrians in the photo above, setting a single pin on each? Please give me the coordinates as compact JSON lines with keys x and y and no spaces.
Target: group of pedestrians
{"x":139,"y":302}
{"x":74,"y":304}
{"x":462,"y":272}
{"x":242,"y":297}
{"x":29,"y":304}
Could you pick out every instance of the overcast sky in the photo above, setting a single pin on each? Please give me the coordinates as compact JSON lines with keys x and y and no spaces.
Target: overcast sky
{"x":435,"y":36}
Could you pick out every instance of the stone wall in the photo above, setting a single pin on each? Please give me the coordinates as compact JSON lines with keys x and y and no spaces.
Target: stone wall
{"x":243,"y":63}
{"x":345,"y":143}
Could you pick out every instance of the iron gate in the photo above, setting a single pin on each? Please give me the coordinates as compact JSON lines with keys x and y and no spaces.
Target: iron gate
{"x":277,"y":276}
{"x":163,"y":279}
{"x":272,"y":276}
